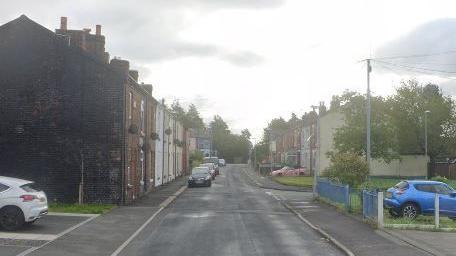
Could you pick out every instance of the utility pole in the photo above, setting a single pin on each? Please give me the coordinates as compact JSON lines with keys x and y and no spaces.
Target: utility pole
{"x":368,"y":121}
{"x":312,"y":139}
{"x":425,"y":133}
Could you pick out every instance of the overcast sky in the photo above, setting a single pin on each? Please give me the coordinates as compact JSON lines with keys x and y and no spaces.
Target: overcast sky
{"x":252,"y":60}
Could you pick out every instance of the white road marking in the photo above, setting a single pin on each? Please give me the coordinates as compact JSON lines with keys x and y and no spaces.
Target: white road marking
{"x":27,"y":236}
{"x":72,"y":214}
{"x":162,"y":206}
{"x":292,"y":202}
{"x":305,"y":206}
{"x":68,"y":230}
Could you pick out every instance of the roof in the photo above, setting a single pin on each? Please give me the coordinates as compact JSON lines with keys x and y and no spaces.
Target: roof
{"x":424,"y":182}
{"x":13,"y":181}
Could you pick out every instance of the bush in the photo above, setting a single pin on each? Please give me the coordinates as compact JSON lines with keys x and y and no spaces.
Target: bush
{"x":348,"y":168}
{"x":440,"y":178}
{"x":196,"y":158}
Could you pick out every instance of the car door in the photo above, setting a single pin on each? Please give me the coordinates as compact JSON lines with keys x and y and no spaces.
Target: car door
{"x":425,"y":197}
{"x":447,"y":203}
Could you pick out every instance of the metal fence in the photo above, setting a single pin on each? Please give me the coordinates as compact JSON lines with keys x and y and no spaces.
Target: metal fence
{"x":336,"y":193}
{"x":370,"y":204}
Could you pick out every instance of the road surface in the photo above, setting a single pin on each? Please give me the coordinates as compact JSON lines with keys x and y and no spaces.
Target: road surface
{"x":230,"y":218}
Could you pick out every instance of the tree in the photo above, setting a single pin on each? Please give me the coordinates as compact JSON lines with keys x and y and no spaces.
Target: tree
{"x":408,"y":108}
{"x":246,"y":134}
{"x":351,"y":137}
{"x":178,"y":111}
{"x":193,"y":118}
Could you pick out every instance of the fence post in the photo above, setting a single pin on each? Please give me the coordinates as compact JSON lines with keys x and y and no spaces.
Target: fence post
{"x":347,"y":197}
{"x":437,"y":210}
{"x":380,"y":209}
{"x":364,"y":207}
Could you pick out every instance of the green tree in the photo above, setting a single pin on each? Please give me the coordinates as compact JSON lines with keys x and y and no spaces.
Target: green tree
{"x":193,"y":118}
{"x":246,"y":134}
{"x":351,"y":137}
{"x":408,"y":108}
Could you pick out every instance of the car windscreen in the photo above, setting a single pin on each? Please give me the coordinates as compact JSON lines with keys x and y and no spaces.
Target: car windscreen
{"x":30,"y":187}
{"x":200,"y":171}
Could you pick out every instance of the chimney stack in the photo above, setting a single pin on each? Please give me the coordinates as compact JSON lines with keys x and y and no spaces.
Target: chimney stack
{"x":63,"y":23}
{"x":98,"y":30}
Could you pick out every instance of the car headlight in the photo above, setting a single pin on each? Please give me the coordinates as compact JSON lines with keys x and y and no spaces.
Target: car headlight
{"x":190,"y":178}
{"x":208,"y":177}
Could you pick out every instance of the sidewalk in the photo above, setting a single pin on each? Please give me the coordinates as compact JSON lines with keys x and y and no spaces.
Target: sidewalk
{"x":359,"y":237}
{"x":268,"y":183}
{"x":437,"y":243}
{"x":104,"y":234}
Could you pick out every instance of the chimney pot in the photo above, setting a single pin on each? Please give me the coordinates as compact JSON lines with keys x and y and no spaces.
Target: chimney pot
{"x":63,"y":23}
{"x":98,"y":30}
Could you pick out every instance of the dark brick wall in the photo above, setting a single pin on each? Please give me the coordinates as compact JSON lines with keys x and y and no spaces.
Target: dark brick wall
{"x":56,"y":102}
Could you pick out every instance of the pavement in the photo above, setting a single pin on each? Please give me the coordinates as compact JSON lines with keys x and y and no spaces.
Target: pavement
{"x":436,"y":243}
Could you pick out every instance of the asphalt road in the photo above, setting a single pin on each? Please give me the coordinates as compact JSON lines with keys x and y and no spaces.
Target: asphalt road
{"x":230,"y":218}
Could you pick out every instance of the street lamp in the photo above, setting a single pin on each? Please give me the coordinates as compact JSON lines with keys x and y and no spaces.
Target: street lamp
{"x":269,"y":131}
{"x":426,"y":134}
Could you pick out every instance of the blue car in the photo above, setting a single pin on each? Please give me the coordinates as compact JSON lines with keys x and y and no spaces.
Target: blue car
{"x":410,"y":198}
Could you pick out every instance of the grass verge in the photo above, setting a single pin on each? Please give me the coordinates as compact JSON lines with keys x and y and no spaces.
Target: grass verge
{"x":84,"y":208}
{"x":445,"y":222}
{"x":299,"y":181}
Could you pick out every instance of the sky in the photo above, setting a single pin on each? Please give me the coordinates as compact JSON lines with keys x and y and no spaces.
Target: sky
{"x":252,"y":60}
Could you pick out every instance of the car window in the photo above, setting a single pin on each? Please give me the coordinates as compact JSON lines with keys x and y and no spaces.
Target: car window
{"x":402,"y":185}
{"x":30,"y":187}
{"x":442,"y":189}
{"x":425,"y":188}
{"x":200,"y":171}
{"x":3,"y":187}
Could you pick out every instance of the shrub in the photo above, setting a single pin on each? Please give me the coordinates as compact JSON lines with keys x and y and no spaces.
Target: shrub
{"x":348,"y":168}
{"x":440,"y":178}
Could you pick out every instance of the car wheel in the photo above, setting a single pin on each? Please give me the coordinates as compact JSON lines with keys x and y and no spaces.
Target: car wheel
{"x":209,"y":184}
{"x":410,"y":210}
{"x":11,"y":218}
{"x":189,"y":186}
{"x":393,"y":213}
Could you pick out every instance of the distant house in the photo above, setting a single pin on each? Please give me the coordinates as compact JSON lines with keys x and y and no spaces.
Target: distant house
{"x":407,"y":166}
{"x":75,"y":121}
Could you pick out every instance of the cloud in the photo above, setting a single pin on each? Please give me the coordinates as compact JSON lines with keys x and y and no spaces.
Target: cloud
{"x":437,"y":39}
{"x":142,"y":30}
{"x":243,"y":58}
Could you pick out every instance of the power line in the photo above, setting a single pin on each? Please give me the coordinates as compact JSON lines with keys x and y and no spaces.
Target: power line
{"x":416,"y":55}
{"x":385,"y":64}
{"x":416,"y":68}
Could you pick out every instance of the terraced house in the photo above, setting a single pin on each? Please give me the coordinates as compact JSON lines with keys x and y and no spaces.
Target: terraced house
{"x":73,"y":120}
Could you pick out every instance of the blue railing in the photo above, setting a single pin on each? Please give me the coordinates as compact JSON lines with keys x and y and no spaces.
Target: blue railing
{"x":337,"y":193}
{"x":370,"y":204}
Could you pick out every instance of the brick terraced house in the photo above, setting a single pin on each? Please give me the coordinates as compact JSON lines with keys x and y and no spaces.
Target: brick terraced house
{"x":72,"y":120}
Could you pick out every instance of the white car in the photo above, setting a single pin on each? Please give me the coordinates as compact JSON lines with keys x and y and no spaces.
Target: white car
{"x":20,"y":203}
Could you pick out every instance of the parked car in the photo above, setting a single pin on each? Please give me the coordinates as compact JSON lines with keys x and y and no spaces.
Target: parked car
{"x":410,"y":198}
{"x":222,"y":162}
{"x":20,"y":203}
{"x":212,"y":170}
{"x":213,"y":160}
{"x":289,"y":171}
{"x":281,"y":172}
{"x":200,"y":177}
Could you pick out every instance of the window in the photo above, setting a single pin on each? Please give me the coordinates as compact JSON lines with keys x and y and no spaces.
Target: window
{"x":142,"y":116}
{"x":425,"y":188}
{"x":29,"y":188}
{"x":442,"y":189}
{"x":130,"y":103}
{"x":3,"y":187}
